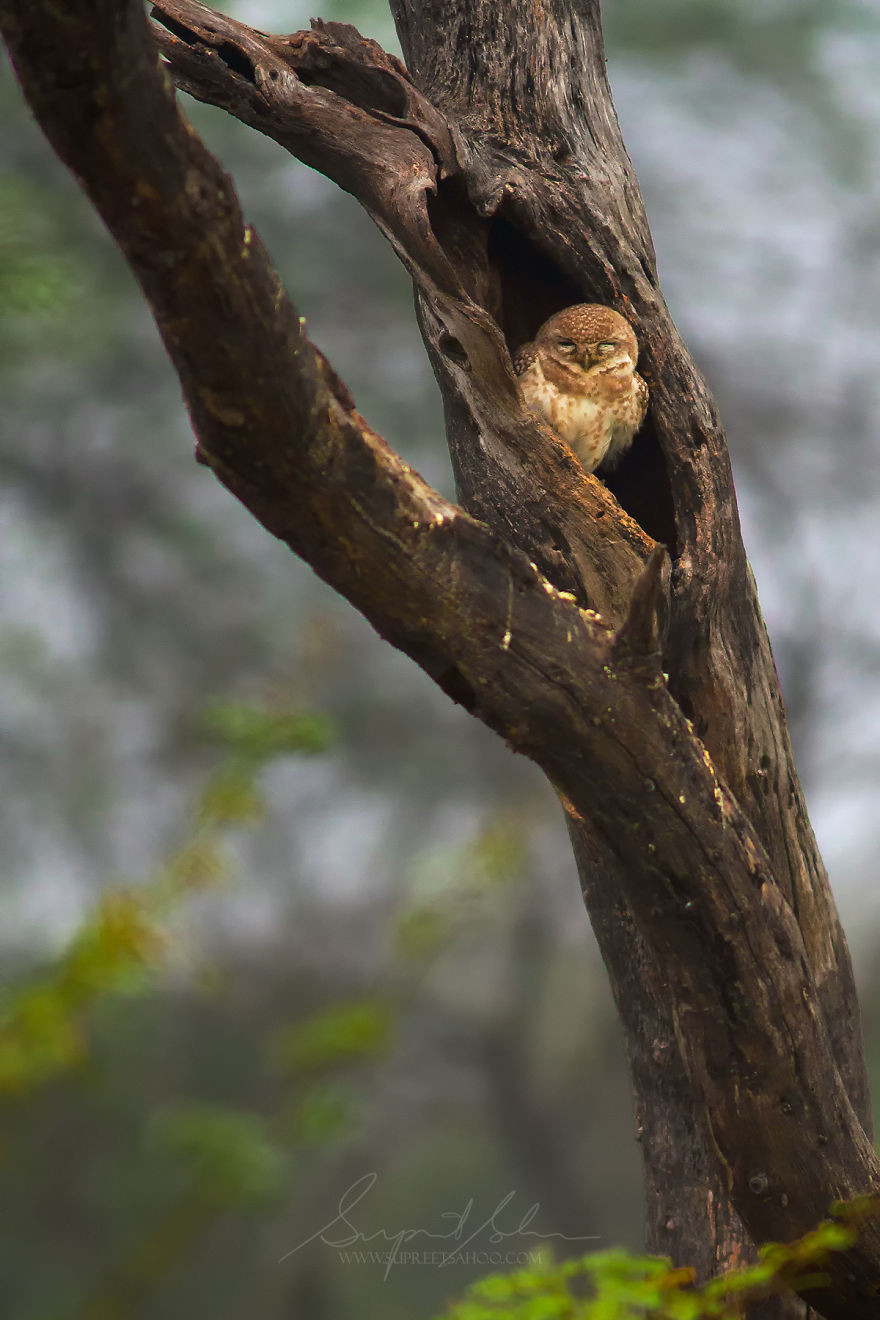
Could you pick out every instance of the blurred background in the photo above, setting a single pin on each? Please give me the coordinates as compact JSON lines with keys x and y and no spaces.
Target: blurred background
{"x":282,"y":926}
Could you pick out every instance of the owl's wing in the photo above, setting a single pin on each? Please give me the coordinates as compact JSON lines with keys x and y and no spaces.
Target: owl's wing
{"x":626,"y":424}
{"x":523,"y":358}
{"x":642,"y":398}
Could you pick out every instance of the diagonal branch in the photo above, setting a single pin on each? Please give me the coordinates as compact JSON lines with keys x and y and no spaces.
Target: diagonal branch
{"x":280,"y":430}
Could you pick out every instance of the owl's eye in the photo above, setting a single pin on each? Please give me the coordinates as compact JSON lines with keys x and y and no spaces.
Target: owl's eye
{"x":606,"y":346}
{"x":567,"y":345}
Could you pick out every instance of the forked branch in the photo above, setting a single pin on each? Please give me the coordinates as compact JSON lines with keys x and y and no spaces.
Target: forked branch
{"x":342,"y":105}
{"x":280,"y":430}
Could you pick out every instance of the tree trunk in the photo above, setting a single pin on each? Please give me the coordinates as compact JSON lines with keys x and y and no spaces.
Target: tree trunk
{"x":640,"y":681}
{"x":543,"y":157}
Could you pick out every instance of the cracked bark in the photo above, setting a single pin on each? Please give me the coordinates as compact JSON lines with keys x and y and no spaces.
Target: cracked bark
{"x":496,"y":170}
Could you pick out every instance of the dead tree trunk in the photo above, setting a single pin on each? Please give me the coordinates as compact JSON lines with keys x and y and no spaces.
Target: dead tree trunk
{"x":640,"y":681}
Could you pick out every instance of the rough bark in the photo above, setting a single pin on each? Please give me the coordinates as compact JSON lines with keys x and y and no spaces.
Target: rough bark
{"x":497,"y":172}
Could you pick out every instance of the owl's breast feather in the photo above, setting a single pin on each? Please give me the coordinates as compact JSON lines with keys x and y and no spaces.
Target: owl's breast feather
{"x":582,"y":422}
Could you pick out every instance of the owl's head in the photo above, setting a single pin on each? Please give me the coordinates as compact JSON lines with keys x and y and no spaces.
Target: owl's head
{"x":589,"y":337}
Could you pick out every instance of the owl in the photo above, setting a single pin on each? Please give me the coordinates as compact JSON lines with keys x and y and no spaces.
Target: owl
{"x":580,"y":374}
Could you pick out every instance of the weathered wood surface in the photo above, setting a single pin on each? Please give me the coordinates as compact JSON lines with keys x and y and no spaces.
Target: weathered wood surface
{"x":497,"y":172}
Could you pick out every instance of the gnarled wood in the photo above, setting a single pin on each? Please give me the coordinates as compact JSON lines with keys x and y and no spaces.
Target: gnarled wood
{"x":702,"y":862}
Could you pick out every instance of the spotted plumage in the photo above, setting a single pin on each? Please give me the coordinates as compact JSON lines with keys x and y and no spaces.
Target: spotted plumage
{"x":579,"y":373}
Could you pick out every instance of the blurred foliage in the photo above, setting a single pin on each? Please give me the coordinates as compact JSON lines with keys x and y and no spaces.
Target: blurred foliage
{"x":322,"y":1114}
{"x":453,"y":887}
{"x":255,"y":735}
{"x":772,"y":38}
{"x":211,"y":1159}
{"x":38,"y":283}
{"x":782,"y":46}
{"x":42,"y":1027}
{"x":622,"y":1286}
{"x":120,"y":949}
{"x":230,"y":1158}
{"x":338,"y":1035}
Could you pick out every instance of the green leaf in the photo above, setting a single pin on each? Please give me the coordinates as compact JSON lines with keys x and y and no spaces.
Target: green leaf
{"x":231,"y":1160}
{"x":200,"y":864}
{"x":40,"y":1037}
{"x":361,"y":1029}
{"x":258,"y":735}
{"x":323,"y":1115}
{"x":230,"y":798}
{"x":115,"y":949}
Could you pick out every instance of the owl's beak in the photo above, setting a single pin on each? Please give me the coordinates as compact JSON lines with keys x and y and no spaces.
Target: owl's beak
{"x":609,"y":361}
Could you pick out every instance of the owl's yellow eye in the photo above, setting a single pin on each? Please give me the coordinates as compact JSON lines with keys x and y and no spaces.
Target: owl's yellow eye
{"x":567,"y":345}
{"x":606,"y":346}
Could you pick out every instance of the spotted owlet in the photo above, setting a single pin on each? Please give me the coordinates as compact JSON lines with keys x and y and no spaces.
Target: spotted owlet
{"x":579,"y":373}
